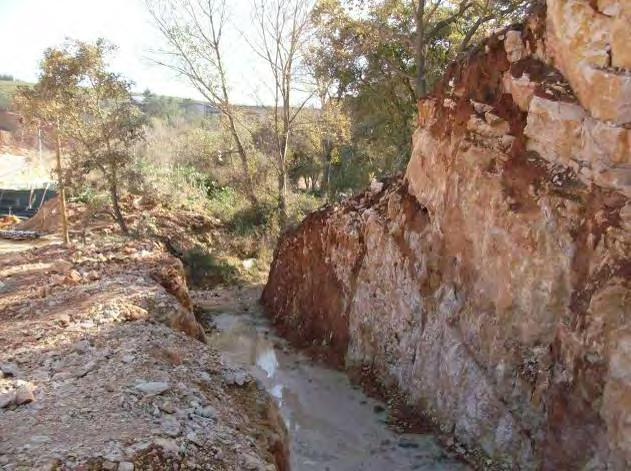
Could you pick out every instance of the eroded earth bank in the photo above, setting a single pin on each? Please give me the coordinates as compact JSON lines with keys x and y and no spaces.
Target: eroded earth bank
{"x":104,"y":366}
{"x":490,"y":284}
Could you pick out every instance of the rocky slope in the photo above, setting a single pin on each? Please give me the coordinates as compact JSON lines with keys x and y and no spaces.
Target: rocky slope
{"x":103,"y":366}
{"x":491,"y":283}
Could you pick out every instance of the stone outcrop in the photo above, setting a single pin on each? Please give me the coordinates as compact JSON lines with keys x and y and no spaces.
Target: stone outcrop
{"x":491,"y":283}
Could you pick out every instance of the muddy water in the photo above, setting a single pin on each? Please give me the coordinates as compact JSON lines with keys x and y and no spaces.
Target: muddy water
{"x":332,"y":425}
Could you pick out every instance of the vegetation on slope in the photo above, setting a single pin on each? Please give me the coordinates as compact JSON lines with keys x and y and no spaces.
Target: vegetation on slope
{"x":345,"y":107}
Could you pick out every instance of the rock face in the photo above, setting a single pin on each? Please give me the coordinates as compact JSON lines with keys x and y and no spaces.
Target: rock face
{"x":492,"y":282}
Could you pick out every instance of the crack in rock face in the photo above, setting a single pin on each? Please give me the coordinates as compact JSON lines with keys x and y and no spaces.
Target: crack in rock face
{"x":491,"y":284}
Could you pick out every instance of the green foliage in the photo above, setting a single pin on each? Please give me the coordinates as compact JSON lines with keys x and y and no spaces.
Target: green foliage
{"x":177,"y":186}
{"x":251,"y":220}
{"x":367,"y":54}
{"x":224,"y":201}
{"x":301,"y":205}
{"x":367,"y":57}
{"x":8,"y":89}
{"x":170,"y":110}
{"x":206,"y":269}
{"x":181,"y":164}
{"x":89,"y":196}
{"x":352,"y":170}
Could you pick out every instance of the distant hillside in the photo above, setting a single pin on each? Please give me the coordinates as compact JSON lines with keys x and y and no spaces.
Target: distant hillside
{"x":153,"y":104}
{"x":8,"y":87}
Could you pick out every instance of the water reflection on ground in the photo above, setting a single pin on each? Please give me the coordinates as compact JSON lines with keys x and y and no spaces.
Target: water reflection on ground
{"x":332,"y":425}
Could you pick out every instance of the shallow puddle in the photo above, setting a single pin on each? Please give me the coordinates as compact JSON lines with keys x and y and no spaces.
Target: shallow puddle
{"x":332,"y":425}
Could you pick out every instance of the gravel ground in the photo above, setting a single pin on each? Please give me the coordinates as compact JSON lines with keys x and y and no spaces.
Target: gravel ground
{"x":97,"y":371}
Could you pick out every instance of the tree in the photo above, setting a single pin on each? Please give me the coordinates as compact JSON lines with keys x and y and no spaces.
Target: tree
{"x":363,"y":56}
{"x":161,"y":107}
{"x":283,"y":32}
{"x":102,"y":118}
{"x":193,"y":30}
{"x":42,"y":106}
{"x":320,"y":135}
{"x":433,"y":18}
{"x":380,"y":56}
{"x":94,"y":111}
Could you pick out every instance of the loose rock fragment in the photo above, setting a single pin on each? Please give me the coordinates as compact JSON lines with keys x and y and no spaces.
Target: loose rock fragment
{"x":7,"y":398}
{"x":153,"y":387}
{"x":24,"y":394}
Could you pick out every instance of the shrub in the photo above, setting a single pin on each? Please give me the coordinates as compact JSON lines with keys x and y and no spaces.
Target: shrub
{"x":301,"y":204}
{"x":251,"y":219}
{"x":175,"y":186}
{"x":203,"y":268}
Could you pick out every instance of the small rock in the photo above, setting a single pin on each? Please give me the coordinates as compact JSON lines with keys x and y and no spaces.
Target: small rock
{"x":153,"y":387}
{"x":208,"y":412}
{"x":7,"y":398}
{"x":249,"y":263}
{"x":24,"y":394}
{"x":125,"y":466}
{"x":171,"y":426}
{"x":168,"y":445}
{"x":481,"y":107}
{"x":376,"y":186}
{"x":405,"y":443}
{"x":82,"y":346}
{"x":193,"y":438}
{"x":9,"y":369}
{"x":61,"y":266}
{"x":62,"y":376}
{"x":127,"y":358}
{"x":492,"y":118}
{"x":251,"y":463}
{"x":39,"y":439}
{"x":167,"y":407}
{"x":108,"y":466}
{"x":239,"y":378}
{"x":506,"y":141}
{"x":84,"y":370}
{"x":73,"y":277}
{"x":514,"y":46}
{"x":87,"y":324}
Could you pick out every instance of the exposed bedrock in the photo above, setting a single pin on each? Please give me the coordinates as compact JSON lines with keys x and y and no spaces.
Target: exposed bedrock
{"x":492,"y":282}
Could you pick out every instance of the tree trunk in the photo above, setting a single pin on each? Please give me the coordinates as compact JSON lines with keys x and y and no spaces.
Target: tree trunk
{"x":282,"y":176}
{"x":326,"y":169}
{"x":115,"y":206}
{"x":62,"y":190}
{"x":243,"y":157}
{"x":282,"y":195}
{"x":421,"y":80}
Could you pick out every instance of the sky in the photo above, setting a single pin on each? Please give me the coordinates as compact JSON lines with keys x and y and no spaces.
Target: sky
{"x":28,"y":27}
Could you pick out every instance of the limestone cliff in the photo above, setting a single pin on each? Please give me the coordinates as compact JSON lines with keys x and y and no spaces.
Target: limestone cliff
{"x":492,"y":282}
